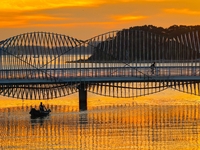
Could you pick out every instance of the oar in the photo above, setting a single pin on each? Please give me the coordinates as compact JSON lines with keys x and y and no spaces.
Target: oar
{"x":45,"y":107}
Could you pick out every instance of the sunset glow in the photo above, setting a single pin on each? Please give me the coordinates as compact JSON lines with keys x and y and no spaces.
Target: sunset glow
{"x":129,"y":18}
{"x":86,"y":18}
{"x":100,"y":74}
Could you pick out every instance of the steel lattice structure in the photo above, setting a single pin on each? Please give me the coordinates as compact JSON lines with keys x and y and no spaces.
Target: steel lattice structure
{"x":42,"y":65}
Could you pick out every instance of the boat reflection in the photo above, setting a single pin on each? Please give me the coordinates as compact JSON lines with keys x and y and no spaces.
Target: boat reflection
{"x":38,"y":120}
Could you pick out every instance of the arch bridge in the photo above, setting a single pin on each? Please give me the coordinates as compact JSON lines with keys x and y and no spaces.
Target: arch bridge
{"x":41,"y":65}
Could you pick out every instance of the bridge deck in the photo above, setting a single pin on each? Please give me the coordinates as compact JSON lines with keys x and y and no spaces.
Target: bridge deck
{"x":101,"y":79}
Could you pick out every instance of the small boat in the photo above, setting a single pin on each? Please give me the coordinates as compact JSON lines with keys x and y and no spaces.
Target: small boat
{"x":38,"y":113}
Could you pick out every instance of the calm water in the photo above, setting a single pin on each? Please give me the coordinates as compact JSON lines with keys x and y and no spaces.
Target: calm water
{"x":116,"y":127}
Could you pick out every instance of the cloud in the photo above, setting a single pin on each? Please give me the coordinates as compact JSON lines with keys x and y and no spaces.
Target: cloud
{"x":128,"y":17}
{"x":21,"y":5}
{"x":45,"y":4}
{"x":17,"y":19}
{"x":182,"y":11}
{"x":158,"y":0}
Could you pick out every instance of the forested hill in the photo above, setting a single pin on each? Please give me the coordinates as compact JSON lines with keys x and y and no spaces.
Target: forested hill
{"x":172,"y":31}
{"x":147,"y":43}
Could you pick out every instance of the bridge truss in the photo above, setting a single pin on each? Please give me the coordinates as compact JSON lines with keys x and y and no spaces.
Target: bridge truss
{"x":60,"y":63}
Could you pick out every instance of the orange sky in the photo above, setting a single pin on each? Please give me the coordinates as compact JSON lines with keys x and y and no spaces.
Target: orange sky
{"x":84,"y":19}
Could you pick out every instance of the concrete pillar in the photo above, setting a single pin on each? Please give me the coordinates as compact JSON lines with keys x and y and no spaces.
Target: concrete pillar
{"x":1,"y":58}
{"x":82,"y":97}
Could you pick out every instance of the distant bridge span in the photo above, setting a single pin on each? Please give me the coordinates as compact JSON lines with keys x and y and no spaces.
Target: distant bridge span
{"x":42,"y":65}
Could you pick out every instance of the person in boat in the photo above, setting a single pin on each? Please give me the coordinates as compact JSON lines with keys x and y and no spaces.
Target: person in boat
{"x":153,"y":67}
{"x":42,"y":107}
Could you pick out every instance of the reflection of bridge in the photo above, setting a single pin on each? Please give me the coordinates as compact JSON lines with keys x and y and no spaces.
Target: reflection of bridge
{"x":45,"y":65}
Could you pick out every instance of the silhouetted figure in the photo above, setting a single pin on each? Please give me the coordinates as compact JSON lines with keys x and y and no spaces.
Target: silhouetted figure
{"x":41,"y":107}
{"x":153,"y":67}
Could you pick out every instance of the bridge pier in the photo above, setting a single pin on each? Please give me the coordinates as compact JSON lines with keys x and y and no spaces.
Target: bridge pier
{"x":82,"y":97}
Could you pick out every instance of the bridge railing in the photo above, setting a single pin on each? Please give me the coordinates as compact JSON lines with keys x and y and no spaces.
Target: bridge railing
{"x":98,"y":72}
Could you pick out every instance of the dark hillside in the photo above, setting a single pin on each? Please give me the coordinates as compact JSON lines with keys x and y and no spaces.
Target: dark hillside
{"x":144,"y":43}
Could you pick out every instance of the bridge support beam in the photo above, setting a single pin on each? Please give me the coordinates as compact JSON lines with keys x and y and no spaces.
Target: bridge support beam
{"x":82,"y":97}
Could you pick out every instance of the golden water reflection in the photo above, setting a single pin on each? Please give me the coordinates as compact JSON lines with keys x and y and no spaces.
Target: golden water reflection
{"x":124,"y":127}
